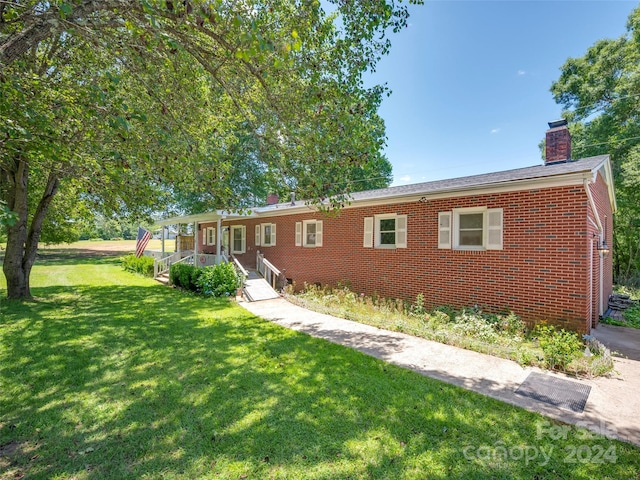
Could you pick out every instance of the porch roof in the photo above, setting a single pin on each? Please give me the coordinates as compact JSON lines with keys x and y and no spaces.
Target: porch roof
{"x":198,"y":217}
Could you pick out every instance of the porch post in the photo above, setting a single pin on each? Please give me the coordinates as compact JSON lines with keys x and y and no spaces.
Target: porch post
{"x":178,"y":243}
{"x":162,"y":237}
{"x":196,"y":238}
{"x":218,"y":238}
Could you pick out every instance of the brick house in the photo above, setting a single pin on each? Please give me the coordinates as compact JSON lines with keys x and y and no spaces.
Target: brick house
{"x":531,"y":240}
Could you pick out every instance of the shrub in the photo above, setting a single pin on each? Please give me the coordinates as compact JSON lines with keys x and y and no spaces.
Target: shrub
{"x":436,"y":318}
{"x":220,"y":280}
{"x":418,"y":307}
{"x":141,"y":266}
{"x":184,"y":276}
{"x":512,"y":324}
{"x":472,"y":324}
{"x":560,"y":347}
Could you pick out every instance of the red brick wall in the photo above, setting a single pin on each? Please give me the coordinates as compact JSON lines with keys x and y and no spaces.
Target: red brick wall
{"x":542,"y":273}
{"x":600,"y":196}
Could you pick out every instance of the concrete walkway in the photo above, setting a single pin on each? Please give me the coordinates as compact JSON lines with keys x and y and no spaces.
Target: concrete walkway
{"x":612,"y":408}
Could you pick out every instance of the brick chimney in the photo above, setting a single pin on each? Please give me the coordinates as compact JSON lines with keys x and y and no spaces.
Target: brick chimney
{"x":558,"y":143}
{"x":272,"y":199}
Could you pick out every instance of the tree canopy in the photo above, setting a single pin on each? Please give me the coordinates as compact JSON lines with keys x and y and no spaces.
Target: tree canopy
{"x":126,"y":105}
{"x":600,"y":92}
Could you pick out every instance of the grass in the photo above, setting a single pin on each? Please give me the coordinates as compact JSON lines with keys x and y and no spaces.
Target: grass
{"x":108,"y":375}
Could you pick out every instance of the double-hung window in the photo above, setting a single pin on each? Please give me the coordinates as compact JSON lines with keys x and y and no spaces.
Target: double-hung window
{"x":238,"y":239}
{"x":475,"y":228}
{"x":211,"y":235}
{"x":385,"y":231}
{"x":266,"y":235}
{"x":309,"y":233}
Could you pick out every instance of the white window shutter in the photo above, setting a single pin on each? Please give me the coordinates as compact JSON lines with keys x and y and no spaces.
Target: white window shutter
{"x":244,"y":239}
{"x":494,"y":229}
{"x":257,"y":235}
{"x":401,"y":231}
{"x":319,"y":233}
{"x":204,"y":236}
{"x":368,"y":232}
{"x":298,"y":234}
{"x":273,"y":234}
{"x":444,"y":229}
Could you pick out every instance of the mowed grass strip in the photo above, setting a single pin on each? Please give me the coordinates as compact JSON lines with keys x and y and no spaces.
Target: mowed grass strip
{"x":108,"y":375}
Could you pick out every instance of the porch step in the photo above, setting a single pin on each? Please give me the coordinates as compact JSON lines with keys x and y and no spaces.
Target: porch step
{"x":257,"y":288}
{"x":163,"y":278}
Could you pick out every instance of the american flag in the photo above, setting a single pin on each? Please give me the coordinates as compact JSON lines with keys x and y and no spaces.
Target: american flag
{"x":141,"y":242}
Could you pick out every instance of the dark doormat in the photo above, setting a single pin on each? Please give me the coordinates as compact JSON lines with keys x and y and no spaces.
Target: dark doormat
{"x":555,"y":391}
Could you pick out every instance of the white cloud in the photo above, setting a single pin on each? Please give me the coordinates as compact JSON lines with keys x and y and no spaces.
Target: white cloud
{"x":521,"y":73}
{"x":405,"y":178}
{"x":495,"y":130}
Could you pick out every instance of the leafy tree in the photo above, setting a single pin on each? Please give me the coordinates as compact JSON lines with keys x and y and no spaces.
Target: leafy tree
{"x":601,"y":94}
{"x":124,"y":103}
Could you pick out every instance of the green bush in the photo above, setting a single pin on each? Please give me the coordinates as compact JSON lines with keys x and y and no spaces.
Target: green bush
{"x":472,"y":324}
{"x":560,"y":347}
{"x":142,"y":265}
{"x":220,"y":280}
{"x":184,"y":276}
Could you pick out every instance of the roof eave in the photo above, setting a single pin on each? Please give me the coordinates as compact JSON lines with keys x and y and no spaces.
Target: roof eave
{"x":575,"y":178}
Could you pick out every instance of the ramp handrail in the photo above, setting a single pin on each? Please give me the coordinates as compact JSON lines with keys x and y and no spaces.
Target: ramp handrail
{"x":239,"y":266}
{"x":267,"y":269}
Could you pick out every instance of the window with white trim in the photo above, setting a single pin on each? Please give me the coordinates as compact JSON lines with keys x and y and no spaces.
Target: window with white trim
{"x":309,"y":233}
{"x":385,"y":231}
{"x":268,"y":238}
{"x":211,"y":236}
{"x":474,"y":228}
{"x":238,"y":239}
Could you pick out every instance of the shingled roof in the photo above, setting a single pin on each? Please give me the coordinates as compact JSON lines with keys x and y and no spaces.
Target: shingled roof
{"x":590,"y":164}
{"x":587,"y":165}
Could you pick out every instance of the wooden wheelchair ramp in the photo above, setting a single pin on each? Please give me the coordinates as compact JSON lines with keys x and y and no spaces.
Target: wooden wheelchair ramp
{"x":257,"y":288}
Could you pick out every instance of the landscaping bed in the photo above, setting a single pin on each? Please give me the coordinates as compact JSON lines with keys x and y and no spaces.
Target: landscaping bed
{"x":505,"y":336}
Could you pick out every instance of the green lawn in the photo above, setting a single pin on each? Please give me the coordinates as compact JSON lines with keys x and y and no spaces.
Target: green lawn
{"x":110,"y":375}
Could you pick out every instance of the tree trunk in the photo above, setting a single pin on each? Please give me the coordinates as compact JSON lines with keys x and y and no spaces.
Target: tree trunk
{"x":13,"y":266}
{"x":46,"y":23}
{"x":22,"y":239}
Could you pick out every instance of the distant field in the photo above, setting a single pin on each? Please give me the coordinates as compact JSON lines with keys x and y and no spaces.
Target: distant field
{"x":109,"y":245}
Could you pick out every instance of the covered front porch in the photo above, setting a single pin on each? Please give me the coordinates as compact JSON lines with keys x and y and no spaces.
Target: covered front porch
{"x":187,"y":245}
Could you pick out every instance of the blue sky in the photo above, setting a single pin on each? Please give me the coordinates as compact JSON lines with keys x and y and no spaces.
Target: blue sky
{"x":470,"y":81}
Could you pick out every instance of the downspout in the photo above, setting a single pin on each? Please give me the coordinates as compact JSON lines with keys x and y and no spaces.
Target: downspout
{"x":600,"y":232}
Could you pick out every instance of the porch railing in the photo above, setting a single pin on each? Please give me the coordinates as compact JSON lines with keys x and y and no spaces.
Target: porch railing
{"x":265,"y":268}
{"x":162,"y":265}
